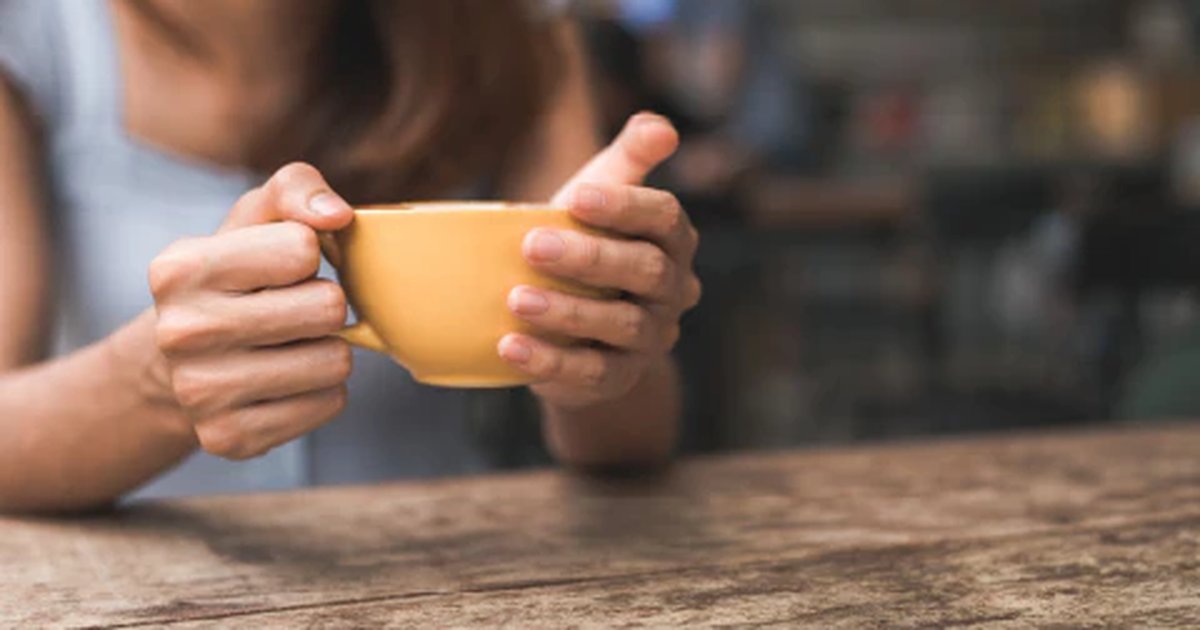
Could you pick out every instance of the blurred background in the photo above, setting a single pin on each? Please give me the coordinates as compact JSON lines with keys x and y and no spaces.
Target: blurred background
{"x":924,"y":216}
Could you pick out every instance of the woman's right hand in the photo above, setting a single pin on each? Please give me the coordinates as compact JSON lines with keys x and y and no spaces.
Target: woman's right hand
{"x":244,"y":325}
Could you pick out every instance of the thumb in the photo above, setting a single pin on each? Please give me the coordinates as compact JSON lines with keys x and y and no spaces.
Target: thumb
{"x":297,"y":192}
{"x":645,"y":142}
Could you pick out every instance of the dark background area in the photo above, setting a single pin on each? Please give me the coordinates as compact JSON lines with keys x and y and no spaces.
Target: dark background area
{"x":924,"y":216}
{"x":918,"y":217}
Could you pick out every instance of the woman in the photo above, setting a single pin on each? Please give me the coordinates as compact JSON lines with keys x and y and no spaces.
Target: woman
{"x":133,"y":139}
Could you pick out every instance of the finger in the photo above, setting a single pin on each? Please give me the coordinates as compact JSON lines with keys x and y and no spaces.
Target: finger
{"x":591,"y":368}
{"x":614,"y":322}
{"x":637,"y":211}
{"x":207,"y":386}
{"x":296,"y":192}
{"x":309,"y":310}
{"x":252,"y":431}
{"x":638,"y":267}
{"x":643,"y":144}
{"x":667,"y":317}
{"x":247,"y":259}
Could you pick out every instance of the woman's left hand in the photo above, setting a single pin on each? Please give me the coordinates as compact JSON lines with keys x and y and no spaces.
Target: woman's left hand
{"x":651,"y":265}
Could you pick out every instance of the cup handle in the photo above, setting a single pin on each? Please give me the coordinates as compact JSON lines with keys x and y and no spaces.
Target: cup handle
{"x":360,"y":334}
{"x":363,"y":336}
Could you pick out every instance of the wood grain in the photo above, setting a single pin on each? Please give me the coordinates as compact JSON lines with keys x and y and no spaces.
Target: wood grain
{"x":1086,"y":528}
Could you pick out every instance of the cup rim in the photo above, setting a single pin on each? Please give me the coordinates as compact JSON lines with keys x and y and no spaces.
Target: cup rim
{"x":451,"y":206}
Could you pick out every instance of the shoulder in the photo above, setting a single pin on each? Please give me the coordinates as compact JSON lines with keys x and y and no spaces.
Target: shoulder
{"x":29,"y":50}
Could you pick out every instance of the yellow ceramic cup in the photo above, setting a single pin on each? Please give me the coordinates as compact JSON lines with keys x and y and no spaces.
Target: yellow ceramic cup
{"x":430,"y":283}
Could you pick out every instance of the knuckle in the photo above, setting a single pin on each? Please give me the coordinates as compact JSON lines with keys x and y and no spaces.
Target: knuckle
{"x":294,"y":174}
{"x":342,"y":362}
{"x":655,"y":270}
{"x":632,"y":324}
{"x":225,"y":439}
{"x":193,"y":391}
{"x":673,"y":217}
{"x":591,"y":254}
{"x":301,"y":252}
{"x":341,"y":396}
{"x":299,"y":236}
{"x":181,"y":330}
{"x":595,"y":373}
{"x":574,"y":319}
{"x":550,"y":365}
{"x":333,"y":402}
{"x":625,"y":197}
{"x":178,"y":264}
{"x":331,"y":300}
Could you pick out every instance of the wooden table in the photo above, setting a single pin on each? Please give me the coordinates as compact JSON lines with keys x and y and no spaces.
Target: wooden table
{"x":1083,"y":528}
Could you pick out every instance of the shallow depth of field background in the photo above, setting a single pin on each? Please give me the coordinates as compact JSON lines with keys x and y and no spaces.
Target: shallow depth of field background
{"x":925,"y":216}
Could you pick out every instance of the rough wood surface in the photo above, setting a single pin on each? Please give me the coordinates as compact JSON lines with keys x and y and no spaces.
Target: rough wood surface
{"x":1097,"y":528}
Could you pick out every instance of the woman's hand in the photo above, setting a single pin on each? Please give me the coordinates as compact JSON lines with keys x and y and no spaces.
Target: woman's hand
{"x":244,"y":325}
{"x":649,"y":260}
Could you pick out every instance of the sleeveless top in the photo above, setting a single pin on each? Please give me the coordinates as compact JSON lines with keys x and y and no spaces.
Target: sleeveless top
{"x":114,"y":204}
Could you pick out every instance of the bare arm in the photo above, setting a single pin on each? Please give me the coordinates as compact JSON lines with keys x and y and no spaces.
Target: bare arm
{"x":235,"y":357}
{"x":78,"y":431}
{"x":637,"y":426}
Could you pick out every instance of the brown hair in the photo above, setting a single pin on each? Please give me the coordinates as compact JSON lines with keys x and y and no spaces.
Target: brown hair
{"x":409,"y":98}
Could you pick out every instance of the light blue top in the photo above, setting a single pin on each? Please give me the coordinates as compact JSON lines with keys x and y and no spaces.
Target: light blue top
{"x":115,"y":204}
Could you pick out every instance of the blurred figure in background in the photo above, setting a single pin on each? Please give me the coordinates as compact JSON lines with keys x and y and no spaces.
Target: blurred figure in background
{"x":136,"y":139}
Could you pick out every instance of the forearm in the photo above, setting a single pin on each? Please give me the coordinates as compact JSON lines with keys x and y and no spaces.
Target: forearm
{"x":636,"y":430}
{"x":79,"y":431}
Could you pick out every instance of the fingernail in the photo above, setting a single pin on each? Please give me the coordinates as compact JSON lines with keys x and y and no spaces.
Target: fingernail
{"x":546,"y":246}
{"x":648,"y":120}
{"x":527,"y":301}
{"x":589,"y":198}
{"x":328,"y":204}
{"x":649,"y":117}
{"x":515,"y":350}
